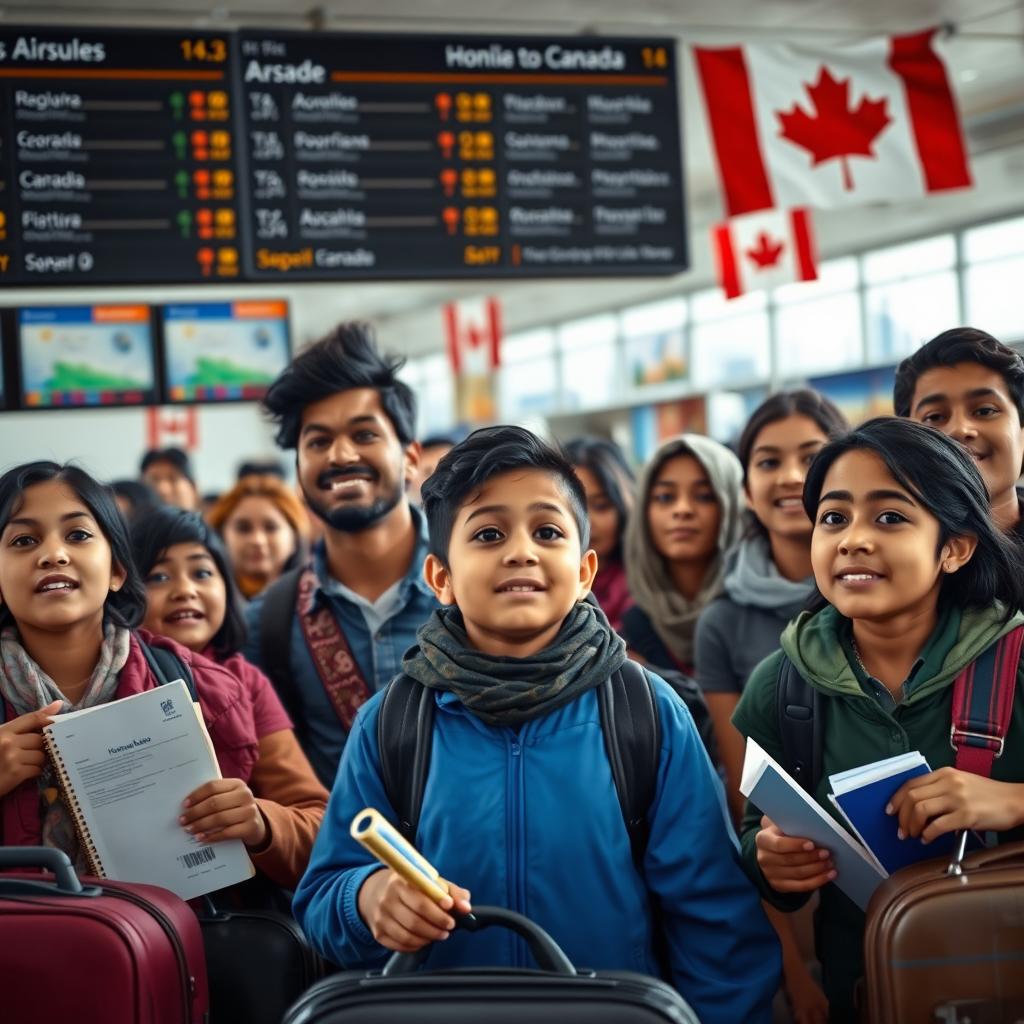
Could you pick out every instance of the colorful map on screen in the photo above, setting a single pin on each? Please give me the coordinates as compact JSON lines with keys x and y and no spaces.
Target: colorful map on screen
{"x":224,"y":351}
{"x":86,"y":355}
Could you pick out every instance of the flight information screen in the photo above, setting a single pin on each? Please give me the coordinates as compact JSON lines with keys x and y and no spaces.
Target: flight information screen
{"x":427,"y":156}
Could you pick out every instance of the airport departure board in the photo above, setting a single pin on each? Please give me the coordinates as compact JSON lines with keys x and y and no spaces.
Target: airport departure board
{"x":117,"y":157}
{"x":158,"y":156}
{"x":427,"y":156}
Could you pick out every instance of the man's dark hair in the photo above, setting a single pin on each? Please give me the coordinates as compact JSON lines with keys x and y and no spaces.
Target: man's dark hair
{"x":485,"y":454}
{"x":166,"y":526}
{"x":960,"y":345}
{"x":347,"y":358}
{"x":941,"y":476}
{"x":173,"y":456}
{"x":124,"y":607}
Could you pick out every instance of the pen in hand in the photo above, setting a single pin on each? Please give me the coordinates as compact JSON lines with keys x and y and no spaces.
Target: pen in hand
{"x":377,"y":835}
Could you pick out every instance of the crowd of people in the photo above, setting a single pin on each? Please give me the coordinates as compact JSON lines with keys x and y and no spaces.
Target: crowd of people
{"x":514,"y":579}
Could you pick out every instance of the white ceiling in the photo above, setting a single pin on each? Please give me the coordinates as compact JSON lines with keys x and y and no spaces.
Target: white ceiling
{"x":985,"y":54}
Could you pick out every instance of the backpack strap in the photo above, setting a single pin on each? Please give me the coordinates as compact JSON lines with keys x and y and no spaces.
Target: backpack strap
{"x":276,"y":617}
{"x":632,"y":739}
{"x":799,"y":709}
{"x":166,"y":667}
{"x":405,"y":736}
{"x":983,"y":703}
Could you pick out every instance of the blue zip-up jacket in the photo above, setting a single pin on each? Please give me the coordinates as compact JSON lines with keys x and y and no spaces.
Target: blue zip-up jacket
{"x":530,"y":820}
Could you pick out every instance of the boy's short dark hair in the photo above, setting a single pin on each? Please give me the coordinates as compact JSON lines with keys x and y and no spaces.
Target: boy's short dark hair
{"x":346,"y":358}
{"x":485,"y":454}
{"x":960,"y":345}
{"x":175,"y":457}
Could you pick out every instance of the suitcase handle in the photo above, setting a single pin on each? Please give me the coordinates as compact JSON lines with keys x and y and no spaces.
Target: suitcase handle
{"x":53,"y":860}
{"x":545,"y":950}
{"x":958,"y":865}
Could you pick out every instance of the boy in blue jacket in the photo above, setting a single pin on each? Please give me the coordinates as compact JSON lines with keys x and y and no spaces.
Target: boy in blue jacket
{"x":520,"y":803}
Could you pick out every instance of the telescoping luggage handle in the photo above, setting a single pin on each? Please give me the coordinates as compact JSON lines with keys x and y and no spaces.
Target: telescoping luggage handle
{"x":65,"y":883}
{"x":545,"y":950}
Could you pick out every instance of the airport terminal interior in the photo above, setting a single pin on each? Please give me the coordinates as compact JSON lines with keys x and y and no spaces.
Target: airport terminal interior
{"x":657,"y":256}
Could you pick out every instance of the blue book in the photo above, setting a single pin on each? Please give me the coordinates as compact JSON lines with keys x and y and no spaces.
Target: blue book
{"x":861,"y":795}
{"x":769,"y":788}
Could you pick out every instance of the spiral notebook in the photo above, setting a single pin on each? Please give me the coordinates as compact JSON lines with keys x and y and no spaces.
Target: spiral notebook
{"x":125,"y":769}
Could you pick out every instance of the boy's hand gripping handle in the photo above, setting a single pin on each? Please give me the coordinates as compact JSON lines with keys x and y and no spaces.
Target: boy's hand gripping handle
{"x":374,"y":832}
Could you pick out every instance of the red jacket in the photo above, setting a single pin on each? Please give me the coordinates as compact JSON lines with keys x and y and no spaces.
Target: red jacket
{"x":226,"y":707}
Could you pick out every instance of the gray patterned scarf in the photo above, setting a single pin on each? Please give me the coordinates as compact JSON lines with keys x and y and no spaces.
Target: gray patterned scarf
{"x":510,"y":691}
{"x":27,"y":688}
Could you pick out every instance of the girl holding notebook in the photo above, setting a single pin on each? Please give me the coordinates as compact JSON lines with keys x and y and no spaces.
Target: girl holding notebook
{"x":918,"y":584}
{"x":70,"y":602}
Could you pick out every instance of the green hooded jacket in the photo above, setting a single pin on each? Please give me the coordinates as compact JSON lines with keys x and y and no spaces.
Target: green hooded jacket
{"x":859,"y":729}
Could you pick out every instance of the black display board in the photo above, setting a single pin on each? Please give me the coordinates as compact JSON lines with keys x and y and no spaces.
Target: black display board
{"x":117,"y":157}
{"x":379,"y":156}
{"x":191,"y":157}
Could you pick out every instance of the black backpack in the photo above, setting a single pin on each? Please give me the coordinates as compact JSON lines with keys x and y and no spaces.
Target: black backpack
{"x":799,"y":708}
{"x":629,"y":721}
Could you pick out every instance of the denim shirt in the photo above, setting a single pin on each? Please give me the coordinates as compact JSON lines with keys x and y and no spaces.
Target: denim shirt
{"x":379,"y":656}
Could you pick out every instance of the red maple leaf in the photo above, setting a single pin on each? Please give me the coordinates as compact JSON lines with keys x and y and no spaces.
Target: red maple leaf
{"x":766,"y":253}
{"x":835,"y":130}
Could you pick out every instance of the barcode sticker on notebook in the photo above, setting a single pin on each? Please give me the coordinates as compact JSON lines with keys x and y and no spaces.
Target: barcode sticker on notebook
{"x":203,"y":856}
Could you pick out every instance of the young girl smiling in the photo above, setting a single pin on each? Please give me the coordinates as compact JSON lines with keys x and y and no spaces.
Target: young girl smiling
{"x":190,"y":597}
{"x":919,"y":583}
{"x":70,"y":600}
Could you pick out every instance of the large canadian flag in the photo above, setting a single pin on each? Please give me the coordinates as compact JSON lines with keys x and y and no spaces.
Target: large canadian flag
{"x":870,"y":121}
{"x":763,"y":250}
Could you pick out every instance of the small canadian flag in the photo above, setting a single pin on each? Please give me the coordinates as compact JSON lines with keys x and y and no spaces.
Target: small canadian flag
{"x":763,"y":250}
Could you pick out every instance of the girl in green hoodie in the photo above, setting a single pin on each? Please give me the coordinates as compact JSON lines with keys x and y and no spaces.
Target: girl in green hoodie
{"x":918,"y":583}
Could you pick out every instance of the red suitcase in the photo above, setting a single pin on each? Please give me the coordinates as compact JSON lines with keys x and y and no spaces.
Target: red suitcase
{"x":101,"y":952}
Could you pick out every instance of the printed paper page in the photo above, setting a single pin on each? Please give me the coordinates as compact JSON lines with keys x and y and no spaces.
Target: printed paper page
{"x":131,"y":764}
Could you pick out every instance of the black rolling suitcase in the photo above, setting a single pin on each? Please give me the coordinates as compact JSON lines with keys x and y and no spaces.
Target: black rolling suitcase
{"x":555,"y":994}
{"x":258,"y":962}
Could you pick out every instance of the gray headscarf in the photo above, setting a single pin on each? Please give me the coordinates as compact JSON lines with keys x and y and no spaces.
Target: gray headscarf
{"x":650,"y":584}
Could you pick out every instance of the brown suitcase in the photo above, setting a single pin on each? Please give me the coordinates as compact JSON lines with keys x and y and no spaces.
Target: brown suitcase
{"x":945,"y":942}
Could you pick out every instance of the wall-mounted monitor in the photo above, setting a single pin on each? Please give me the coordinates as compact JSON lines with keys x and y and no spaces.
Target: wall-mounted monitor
{"x":223,"y":351}
{"x":80,"y":356}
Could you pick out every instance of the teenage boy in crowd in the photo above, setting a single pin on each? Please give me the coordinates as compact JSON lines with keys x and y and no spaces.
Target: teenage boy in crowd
{"x":519,"y":803}
{"x":355,"y":608}
{"x":971,"y":387}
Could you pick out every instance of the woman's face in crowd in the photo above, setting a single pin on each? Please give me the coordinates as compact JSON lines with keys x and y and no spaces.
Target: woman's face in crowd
{"x":605,"y":527}
{"x":683,"y":513}
{"x":259,"y":537}
{"x":874,"y":549}
{"x":779,"y":458}
{"x":186,"y":597}
{"x":56,"y":566}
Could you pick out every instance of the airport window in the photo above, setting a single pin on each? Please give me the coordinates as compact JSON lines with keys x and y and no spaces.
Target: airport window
{"x":729,"y":338}
{"x":818,"y":323}
{"x":993,"y":298}
{"x":910,"y":259}
{"x":528,"y":379}
{"x":436,"y":395}
{"x":902,"y":315}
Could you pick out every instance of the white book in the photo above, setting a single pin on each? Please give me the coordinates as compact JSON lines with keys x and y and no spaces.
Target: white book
{"x":771,"y":789}
{"x":125,"y":769}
